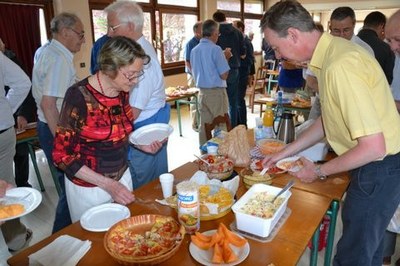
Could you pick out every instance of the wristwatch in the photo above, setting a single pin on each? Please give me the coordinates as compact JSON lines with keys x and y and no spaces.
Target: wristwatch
{"x":319,"y":173}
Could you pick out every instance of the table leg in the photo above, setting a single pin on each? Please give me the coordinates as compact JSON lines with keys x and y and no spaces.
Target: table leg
{"x":35,"y":166}
{"x":196,"y":102}
{"x":53,"y":172}
{"x":332,"y":212}
{"x":261,"y":109}
{"x":178,"y":110}
{"x":314,"y":248}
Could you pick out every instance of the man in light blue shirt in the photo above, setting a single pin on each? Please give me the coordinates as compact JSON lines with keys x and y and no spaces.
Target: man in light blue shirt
{"x":210,"y":70}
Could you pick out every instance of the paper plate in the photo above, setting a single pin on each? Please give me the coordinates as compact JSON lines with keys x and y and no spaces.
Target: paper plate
{"x":30,"y":203}
{"x":205,"y":256}
{"x":102,"y":217}
{"x":290,"y":164}
{"x":147,"y":134}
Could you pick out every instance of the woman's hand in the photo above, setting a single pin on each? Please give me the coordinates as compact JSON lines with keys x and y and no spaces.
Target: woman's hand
{"x":153,"y":147}
{"x":120,"y":193}
{"x":3,"y":187}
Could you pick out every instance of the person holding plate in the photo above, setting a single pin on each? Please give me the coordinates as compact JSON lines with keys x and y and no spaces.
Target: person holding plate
{"x":91,"y":141}
{"x":359,"y":120}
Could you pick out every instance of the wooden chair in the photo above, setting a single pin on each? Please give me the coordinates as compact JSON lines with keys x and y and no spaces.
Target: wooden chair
{"x":221,"y":119}
{"x":257,"y":86}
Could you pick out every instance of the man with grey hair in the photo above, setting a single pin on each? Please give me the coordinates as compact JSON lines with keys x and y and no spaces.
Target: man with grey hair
{"x":52,"y":75}
{"x":360,"y":121}
{"x":147,"y":98}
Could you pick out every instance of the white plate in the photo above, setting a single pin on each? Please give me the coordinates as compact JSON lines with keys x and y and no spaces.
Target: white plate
{"x":101,"y":218}
{"x":295,"y":168}
{"x":205,"y":256}
{"x":30,"y":203}
{"x":147,"y":134}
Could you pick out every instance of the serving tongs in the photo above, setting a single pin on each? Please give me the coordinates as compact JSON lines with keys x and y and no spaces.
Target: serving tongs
{"x":285,"y":188}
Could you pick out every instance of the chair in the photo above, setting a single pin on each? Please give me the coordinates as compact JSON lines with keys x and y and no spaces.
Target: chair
{"x":221,"y":119}
{"x":257,"y":86}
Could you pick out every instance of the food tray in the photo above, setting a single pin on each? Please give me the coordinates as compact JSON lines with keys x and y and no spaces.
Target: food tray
{"x":273,"y":233}
{"x":138,"y":225}
{"x":255,"y":225}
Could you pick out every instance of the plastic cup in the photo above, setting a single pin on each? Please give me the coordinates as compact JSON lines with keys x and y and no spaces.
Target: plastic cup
{"x":167,"y":183}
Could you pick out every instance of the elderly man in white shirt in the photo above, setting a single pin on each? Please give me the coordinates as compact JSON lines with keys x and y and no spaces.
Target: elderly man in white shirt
{"x":53,"y":73}
{"x":16,"y":235}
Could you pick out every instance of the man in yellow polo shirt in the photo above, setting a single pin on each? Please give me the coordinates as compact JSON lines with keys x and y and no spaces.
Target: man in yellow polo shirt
{"x":359,"y":120}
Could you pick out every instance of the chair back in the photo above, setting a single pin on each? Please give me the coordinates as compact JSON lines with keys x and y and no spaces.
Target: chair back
{"x":221,"y":119}
{"x":270,"y":64}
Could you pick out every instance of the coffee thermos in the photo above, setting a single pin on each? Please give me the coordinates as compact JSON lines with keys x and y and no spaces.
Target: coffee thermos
{"x":286,"y":131}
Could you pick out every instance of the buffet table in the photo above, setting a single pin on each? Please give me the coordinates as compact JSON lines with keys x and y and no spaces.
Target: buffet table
{"x":287,"y":246}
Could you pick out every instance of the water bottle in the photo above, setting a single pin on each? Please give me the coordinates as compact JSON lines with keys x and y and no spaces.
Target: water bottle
{"x":258,"y":130}
{"x":279,"y":106}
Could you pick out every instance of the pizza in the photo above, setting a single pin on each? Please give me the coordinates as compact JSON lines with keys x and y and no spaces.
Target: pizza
{"x":11,"y":210}
{"x":159,"y":239}
{"x":256,"y":165}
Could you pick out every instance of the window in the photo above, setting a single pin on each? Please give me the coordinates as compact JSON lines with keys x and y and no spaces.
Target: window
{"x":188,"y":3}
{"x":253,"y":6}
{"x":250,"y":12}
{"x":177,"y":30}
{"x":167,"y":26}
{"x":228,"y":5}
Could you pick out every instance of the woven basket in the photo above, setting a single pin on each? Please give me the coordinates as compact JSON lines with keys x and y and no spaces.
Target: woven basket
{"x":140,"y":224}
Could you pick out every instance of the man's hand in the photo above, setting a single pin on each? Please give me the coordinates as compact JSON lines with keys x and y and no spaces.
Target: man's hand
{"x":21,"y":122}
{"x":307,"y":173}
{"x":153,"y":147}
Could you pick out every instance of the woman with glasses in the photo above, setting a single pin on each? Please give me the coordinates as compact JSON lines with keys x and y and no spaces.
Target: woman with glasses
{"x":91,"y":142}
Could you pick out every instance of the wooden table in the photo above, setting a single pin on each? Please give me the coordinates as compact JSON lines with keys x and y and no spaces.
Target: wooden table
{"x":307,"y":211}
{"x":333,"y":188}
{"x":286,"y":106}
{"x":183,"y":99}
{"x":30,"y":137}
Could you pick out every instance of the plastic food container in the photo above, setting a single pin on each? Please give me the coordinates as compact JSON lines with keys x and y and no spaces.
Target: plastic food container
{"x":268,"y":146}
{"x":255,"y":225}
{"x":220,"y":166}
{"x":316,"y":152}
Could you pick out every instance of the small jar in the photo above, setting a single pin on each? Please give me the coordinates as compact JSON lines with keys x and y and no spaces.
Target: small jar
{"x":189,"y":206}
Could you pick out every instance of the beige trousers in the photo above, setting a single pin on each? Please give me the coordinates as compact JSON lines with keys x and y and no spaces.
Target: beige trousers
{"x":212,"y":103}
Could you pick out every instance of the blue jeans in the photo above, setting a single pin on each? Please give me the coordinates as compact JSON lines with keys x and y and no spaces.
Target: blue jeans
{"x":242,"y":87}
{"x":232,"y":89}
{"x":372,"y":198}
{"x":145,"y":167}
{"x":46,"y":139}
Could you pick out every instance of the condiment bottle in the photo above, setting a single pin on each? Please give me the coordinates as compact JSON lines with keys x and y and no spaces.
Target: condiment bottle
{"x":268,"y":122}
{"x":189,"y":206}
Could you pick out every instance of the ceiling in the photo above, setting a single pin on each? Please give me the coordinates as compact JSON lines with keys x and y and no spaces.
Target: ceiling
{"x":326,"y":5}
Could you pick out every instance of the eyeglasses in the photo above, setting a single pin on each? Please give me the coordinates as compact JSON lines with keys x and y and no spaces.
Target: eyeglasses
{"x":135,"y":75}
{"x":81,"y":35}
{"x":113,"y":28}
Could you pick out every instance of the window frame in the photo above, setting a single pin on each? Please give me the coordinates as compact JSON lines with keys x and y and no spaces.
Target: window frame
{"x":153,"y":8}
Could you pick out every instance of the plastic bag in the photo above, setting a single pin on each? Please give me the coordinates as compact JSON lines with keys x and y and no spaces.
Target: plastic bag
{"x":394,"y":225}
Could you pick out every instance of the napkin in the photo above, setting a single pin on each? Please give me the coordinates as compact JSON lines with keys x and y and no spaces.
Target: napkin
{"x":64,"y":250}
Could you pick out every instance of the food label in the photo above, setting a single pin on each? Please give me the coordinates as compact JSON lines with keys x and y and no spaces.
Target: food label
{"x":189,"y":209}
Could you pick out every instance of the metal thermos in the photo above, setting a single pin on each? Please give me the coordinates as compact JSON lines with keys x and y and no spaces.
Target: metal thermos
{"x":286,"y":128}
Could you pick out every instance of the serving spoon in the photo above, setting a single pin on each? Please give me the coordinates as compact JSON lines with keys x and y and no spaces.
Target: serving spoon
{"x":285,"y":188}
{"x":201,"y":159}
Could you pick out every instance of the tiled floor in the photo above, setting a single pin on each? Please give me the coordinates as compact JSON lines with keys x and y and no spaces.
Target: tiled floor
{"x":180,"y":150}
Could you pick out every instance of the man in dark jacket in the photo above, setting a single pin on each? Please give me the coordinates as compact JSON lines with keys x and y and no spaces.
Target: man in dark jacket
{"x":244,"y":71}
{"x":373,"y":33}
{"x":232,"y":38}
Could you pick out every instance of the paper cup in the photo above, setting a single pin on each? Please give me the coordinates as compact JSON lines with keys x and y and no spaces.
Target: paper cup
{"x":212,"y":149}
{"x":167,"y":183}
